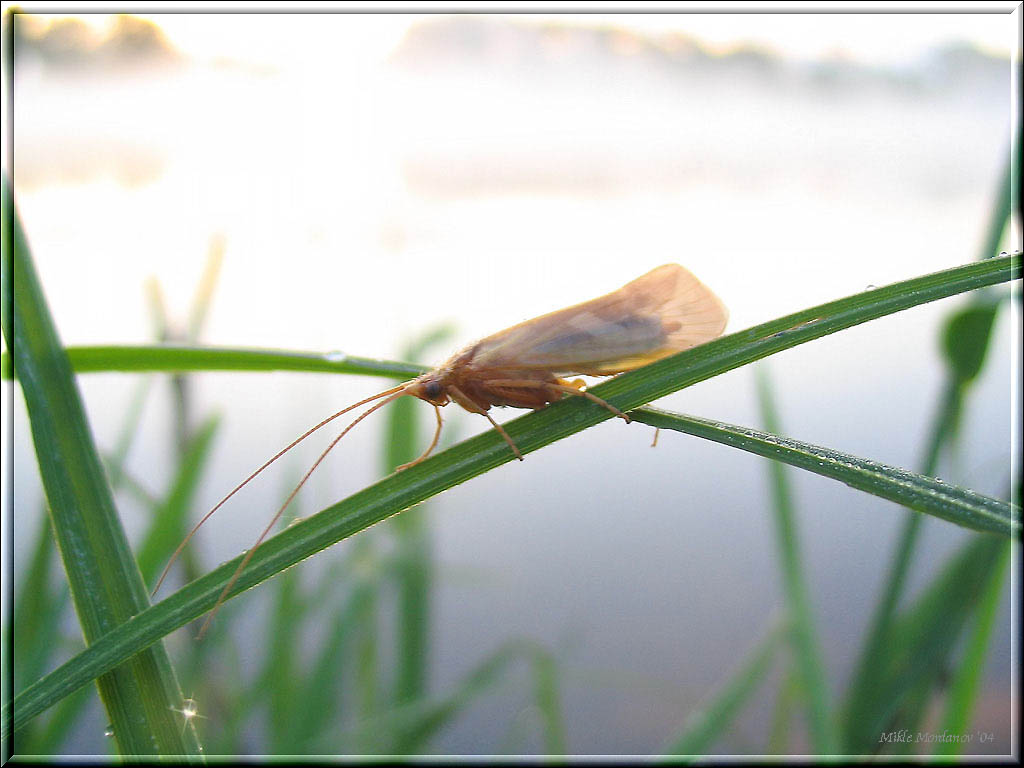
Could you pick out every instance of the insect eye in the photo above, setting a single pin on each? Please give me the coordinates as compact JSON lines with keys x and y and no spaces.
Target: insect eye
{"x":433,"y":390}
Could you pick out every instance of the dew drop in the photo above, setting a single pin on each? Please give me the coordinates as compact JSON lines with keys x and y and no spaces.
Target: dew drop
{"x":109,"y":732}
{"x":871,"y":287}
{"x":336,"y":356}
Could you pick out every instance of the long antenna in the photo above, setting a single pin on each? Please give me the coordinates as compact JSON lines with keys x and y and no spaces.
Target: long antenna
{"x":273,"y":522}
{"x":266,"y":464}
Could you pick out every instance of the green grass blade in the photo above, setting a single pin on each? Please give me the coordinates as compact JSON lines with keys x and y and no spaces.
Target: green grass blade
{"x":106,"y":587}
{"x":479,"y":454}
{"x":740,"y":348}
{"x":427,"y":721}
{"x":787,"y":694}
{"x":414,"y":568}
{"x":713,"y":720}
{"x":65,"y":715}
{"x":280,"y":668}
{"x":319,"y":705}
{"x":366,"y":662}
{"x":170,"y":523}
{"x":179,"y":358}
{"x":40,"y":606}
{"x":920,"y":643}
{"x":36,"y":612}
{"x":548,"y":702}
{"x":965,"y":340}
{"x":1004,"y":203}
{"x":925,"y":494}
{"x":967,"y":678}
{"x":803,"y":635}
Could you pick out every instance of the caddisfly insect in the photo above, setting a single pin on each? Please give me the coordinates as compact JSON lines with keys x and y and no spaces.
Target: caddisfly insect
{"x":658,"y":314}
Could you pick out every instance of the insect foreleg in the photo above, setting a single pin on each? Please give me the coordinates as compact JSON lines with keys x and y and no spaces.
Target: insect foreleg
{"x":433,"y":444}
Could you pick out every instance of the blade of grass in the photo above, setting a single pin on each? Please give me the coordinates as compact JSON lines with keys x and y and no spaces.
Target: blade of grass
{"x":179,"y":358}
{"x":921,"y":641}
{"x":911,"y":713}
{"x":37,"y":611}
{"x":319,"y":706}
{"x":54,"y":733}
{"x":548,"y":701}
{"x":486,"y":451}
{"x":413,"y":572}
{"x":106,"y":587}
{"x":420,"y":723}
{"x":278,"y":680}
{"x":965,"y":340}
{"x":37,"y":621}
{"x":949,"y":502}
{"x":788,"y":692}
{"x":967,"y":677}
{"x":366,"y":659}
{"x":171,"y":518}
{"x":760,"y":341}
{"x":712,"y":721}
{"x":803,"y":636}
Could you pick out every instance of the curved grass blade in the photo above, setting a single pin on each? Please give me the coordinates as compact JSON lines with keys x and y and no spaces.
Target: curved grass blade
{"x":803,"y":636}
{"x":170,"y":520}
{"x":965,"y":340}
{"x":967,"y":678}
{"x":178,"y":358}
{"x":711,"y":722}
{"x":105,"y":583}
{"x":920,"y":643}
{"x":924,"y":494}
{"x":414,"y":566}
{"x":488,"y":450}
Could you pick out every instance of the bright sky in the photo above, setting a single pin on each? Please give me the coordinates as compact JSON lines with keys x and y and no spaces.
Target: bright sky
{"x":882,"y":38}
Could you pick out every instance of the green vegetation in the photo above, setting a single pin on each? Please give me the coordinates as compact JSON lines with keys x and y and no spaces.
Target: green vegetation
{"x":915,"y":648}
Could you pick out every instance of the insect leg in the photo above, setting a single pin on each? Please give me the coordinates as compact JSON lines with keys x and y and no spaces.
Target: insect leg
{"x":433,"y":444}
{"x":569,"y":389}
{"x":574,"y":391}
{"x":465,"y":402}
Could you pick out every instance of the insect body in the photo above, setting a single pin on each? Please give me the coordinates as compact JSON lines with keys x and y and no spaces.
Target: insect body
{"x":660,"y":313}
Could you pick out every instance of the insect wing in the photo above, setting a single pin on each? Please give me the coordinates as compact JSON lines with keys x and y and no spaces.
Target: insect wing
{"x":660,"y":313}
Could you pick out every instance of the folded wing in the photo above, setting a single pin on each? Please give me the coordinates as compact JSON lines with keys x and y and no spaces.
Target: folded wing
{"x":658,"y":314}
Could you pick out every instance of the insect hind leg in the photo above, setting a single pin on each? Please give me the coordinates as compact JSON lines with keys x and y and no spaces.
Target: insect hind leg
{"x":572,"y":388}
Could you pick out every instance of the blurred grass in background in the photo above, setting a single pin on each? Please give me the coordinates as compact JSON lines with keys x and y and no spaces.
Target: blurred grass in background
{"x":364,"y":688}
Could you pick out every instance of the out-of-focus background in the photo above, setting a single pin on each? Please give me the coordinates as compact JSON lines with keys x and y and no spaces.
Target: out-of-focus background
{"x":363,"y":180}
